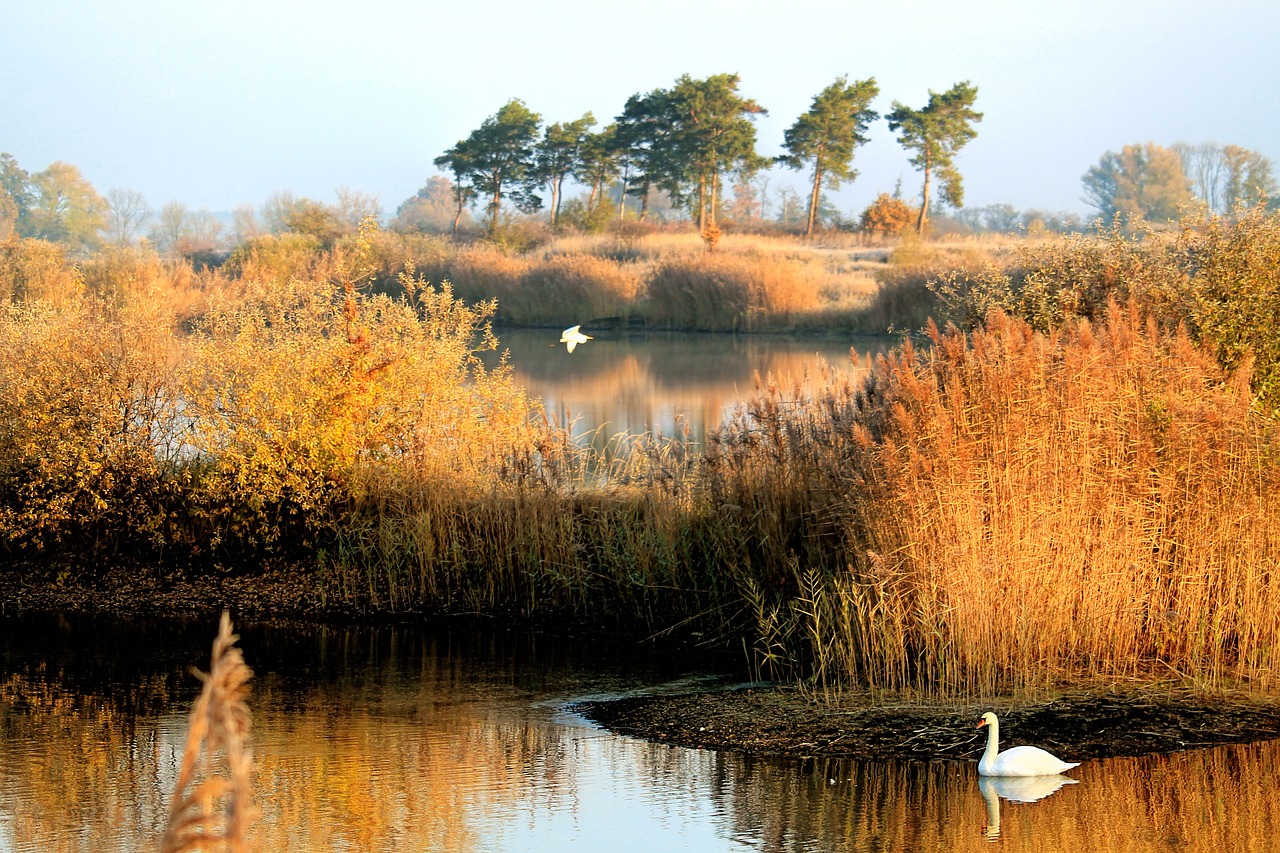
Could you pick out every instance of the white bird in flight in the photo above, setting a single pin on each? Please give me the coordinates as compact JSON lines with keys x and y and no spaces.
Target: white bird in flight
{"x":571,"y":337}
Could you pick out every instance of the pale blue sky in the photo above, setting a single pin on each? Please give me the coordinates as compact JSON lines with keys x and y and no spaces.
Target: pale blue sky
{"x":221,"y":104}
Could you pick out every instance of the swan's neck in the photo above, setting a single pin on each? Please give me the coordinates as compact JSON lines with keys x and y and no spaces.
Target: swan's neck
{"x":993,"y":739}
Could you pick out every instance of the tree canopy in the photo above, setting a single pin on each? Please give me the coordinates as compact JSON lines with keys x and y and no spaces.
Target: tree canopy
{"x":714,"y":134}
{"x":685,"y":139}
{"x":1138,"y":182}
{"x":498,"y":159}
{"x":828,"y":134}
{"x":560,"y":153}
{"x":61,"y":206}
{"x":936,"y":133}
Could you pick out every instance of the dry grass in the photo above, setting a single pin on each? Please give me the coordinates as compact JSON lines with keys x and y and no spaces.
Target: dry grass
{"x":669,"y":280}
{"x":722,"y":292}
{"x":212,"y":806}
{"x":1093,"y":505}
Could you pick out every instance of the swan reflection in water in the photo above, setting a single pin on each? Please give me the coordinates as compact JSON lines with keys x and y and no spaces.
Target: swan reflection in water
{"x":1016,"y":789}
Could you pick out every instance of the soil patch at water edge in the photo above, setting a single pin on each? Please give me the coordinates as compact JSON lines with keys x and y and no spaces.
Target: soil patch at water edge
{"x":1078,"y":726}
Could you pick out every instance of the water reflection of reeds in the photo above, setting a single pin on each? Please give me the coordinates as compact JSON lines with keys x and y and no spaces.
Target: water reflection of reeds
{"x":1223,"y":799}
{"x":406,"y":740}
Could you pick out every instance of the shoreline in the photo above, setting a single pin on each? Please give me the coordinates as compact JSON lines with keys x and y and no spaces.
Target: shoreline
{"x":774,"y":720}
{"x":1077,"y":726}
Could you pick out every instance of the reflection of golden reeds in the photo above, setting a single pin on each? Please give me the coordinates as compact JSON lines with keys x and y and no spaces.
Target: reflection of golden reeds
{"x":212,"y":806}
{"x":1201,"y":801}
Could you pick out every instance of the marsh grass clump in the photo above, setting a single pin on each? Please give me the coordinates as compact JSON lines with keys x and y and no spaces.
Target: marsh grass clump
{"x":579,"y":287}
{"x":1028,"y":510}
{"x":725,"y":292}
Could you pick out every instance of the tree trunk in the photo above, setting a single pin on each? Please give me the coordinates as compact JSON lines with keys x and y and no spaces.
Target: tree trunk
{"x":924,"y":204}
{"x":495,"y":205}
{"x":702,"y":203}
{"x":555,"y":200}
{"x":622,"y":195}
{"x":711,"y":208}
{"x":814,"y":195}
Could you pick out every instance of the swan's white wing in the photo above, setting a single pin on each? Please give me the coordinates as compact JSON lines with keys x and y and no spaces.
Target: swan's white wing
{"x":1027,"y":761}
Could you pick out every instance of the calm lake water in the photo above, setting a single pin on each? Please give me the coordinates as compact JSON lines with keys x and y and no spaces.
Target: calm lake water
{"x":438,"y":738}
{"x":635,"y":382}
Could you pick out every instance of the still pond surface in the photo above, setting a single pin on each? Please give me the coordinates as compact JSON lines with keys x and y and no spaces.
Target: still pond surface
{"x":635,"y":382}
{"x":450,"y":738}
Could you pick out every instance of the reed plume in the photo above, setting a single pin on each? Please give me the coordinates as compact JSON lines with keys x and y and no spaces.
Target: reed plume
{"x":212,"y":807}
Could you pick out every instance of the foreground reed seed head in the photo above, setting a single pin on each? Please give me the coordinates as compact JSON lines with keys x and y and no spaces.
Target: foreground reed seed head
{"x":212,"y":803}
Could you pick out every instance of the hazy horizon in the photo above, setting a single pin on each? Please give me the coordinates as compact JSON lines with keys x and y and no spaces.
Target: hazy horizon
{"x":222,"y":106}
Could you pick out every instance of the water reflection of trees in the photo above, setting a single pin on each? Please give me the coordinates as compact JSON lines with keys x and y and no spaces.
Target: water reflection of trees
{"x":633,"y":386}
{"x":69,"y":759}
{"x":364,"y":740}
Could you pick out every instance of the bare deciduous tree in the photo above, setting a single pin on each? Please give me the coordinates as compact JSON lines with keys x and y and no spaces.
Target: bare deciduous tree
{"x":127,"y":213}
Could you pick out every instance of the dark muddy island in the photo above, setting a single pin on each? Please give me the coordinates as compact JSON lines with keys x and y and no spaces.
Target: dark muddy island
{"x":1077,"y":726}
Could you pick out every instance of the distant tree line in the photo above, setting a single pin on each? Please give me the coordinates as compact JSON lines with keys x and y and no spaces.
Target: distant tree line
{"x":686,"y":140}
{"x":678,"y":146}
{"x":1155,"y":183}
{"x":60,"y":205}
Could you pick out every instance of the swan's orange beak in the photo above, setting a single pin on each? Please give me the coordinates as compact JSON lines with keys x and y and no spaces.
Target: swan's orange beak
{"x":980,"y":724}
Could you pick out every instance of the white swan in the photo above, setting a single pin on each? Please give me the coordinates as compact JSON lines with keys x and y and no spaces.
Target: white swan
{"x":572,"y":337}
{"x":1018,"y":761}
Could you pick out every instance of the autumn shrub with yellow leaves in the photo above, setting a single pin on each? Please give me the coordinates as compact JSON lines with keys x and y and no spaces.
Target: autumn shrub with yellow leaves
{"x":125,"y":434}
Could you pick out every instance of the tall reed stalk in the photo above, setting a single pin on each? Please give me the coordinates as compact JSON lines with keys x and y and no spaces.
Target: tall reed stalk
{"x":212,"y":807}
{"x":1094,"y":504}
